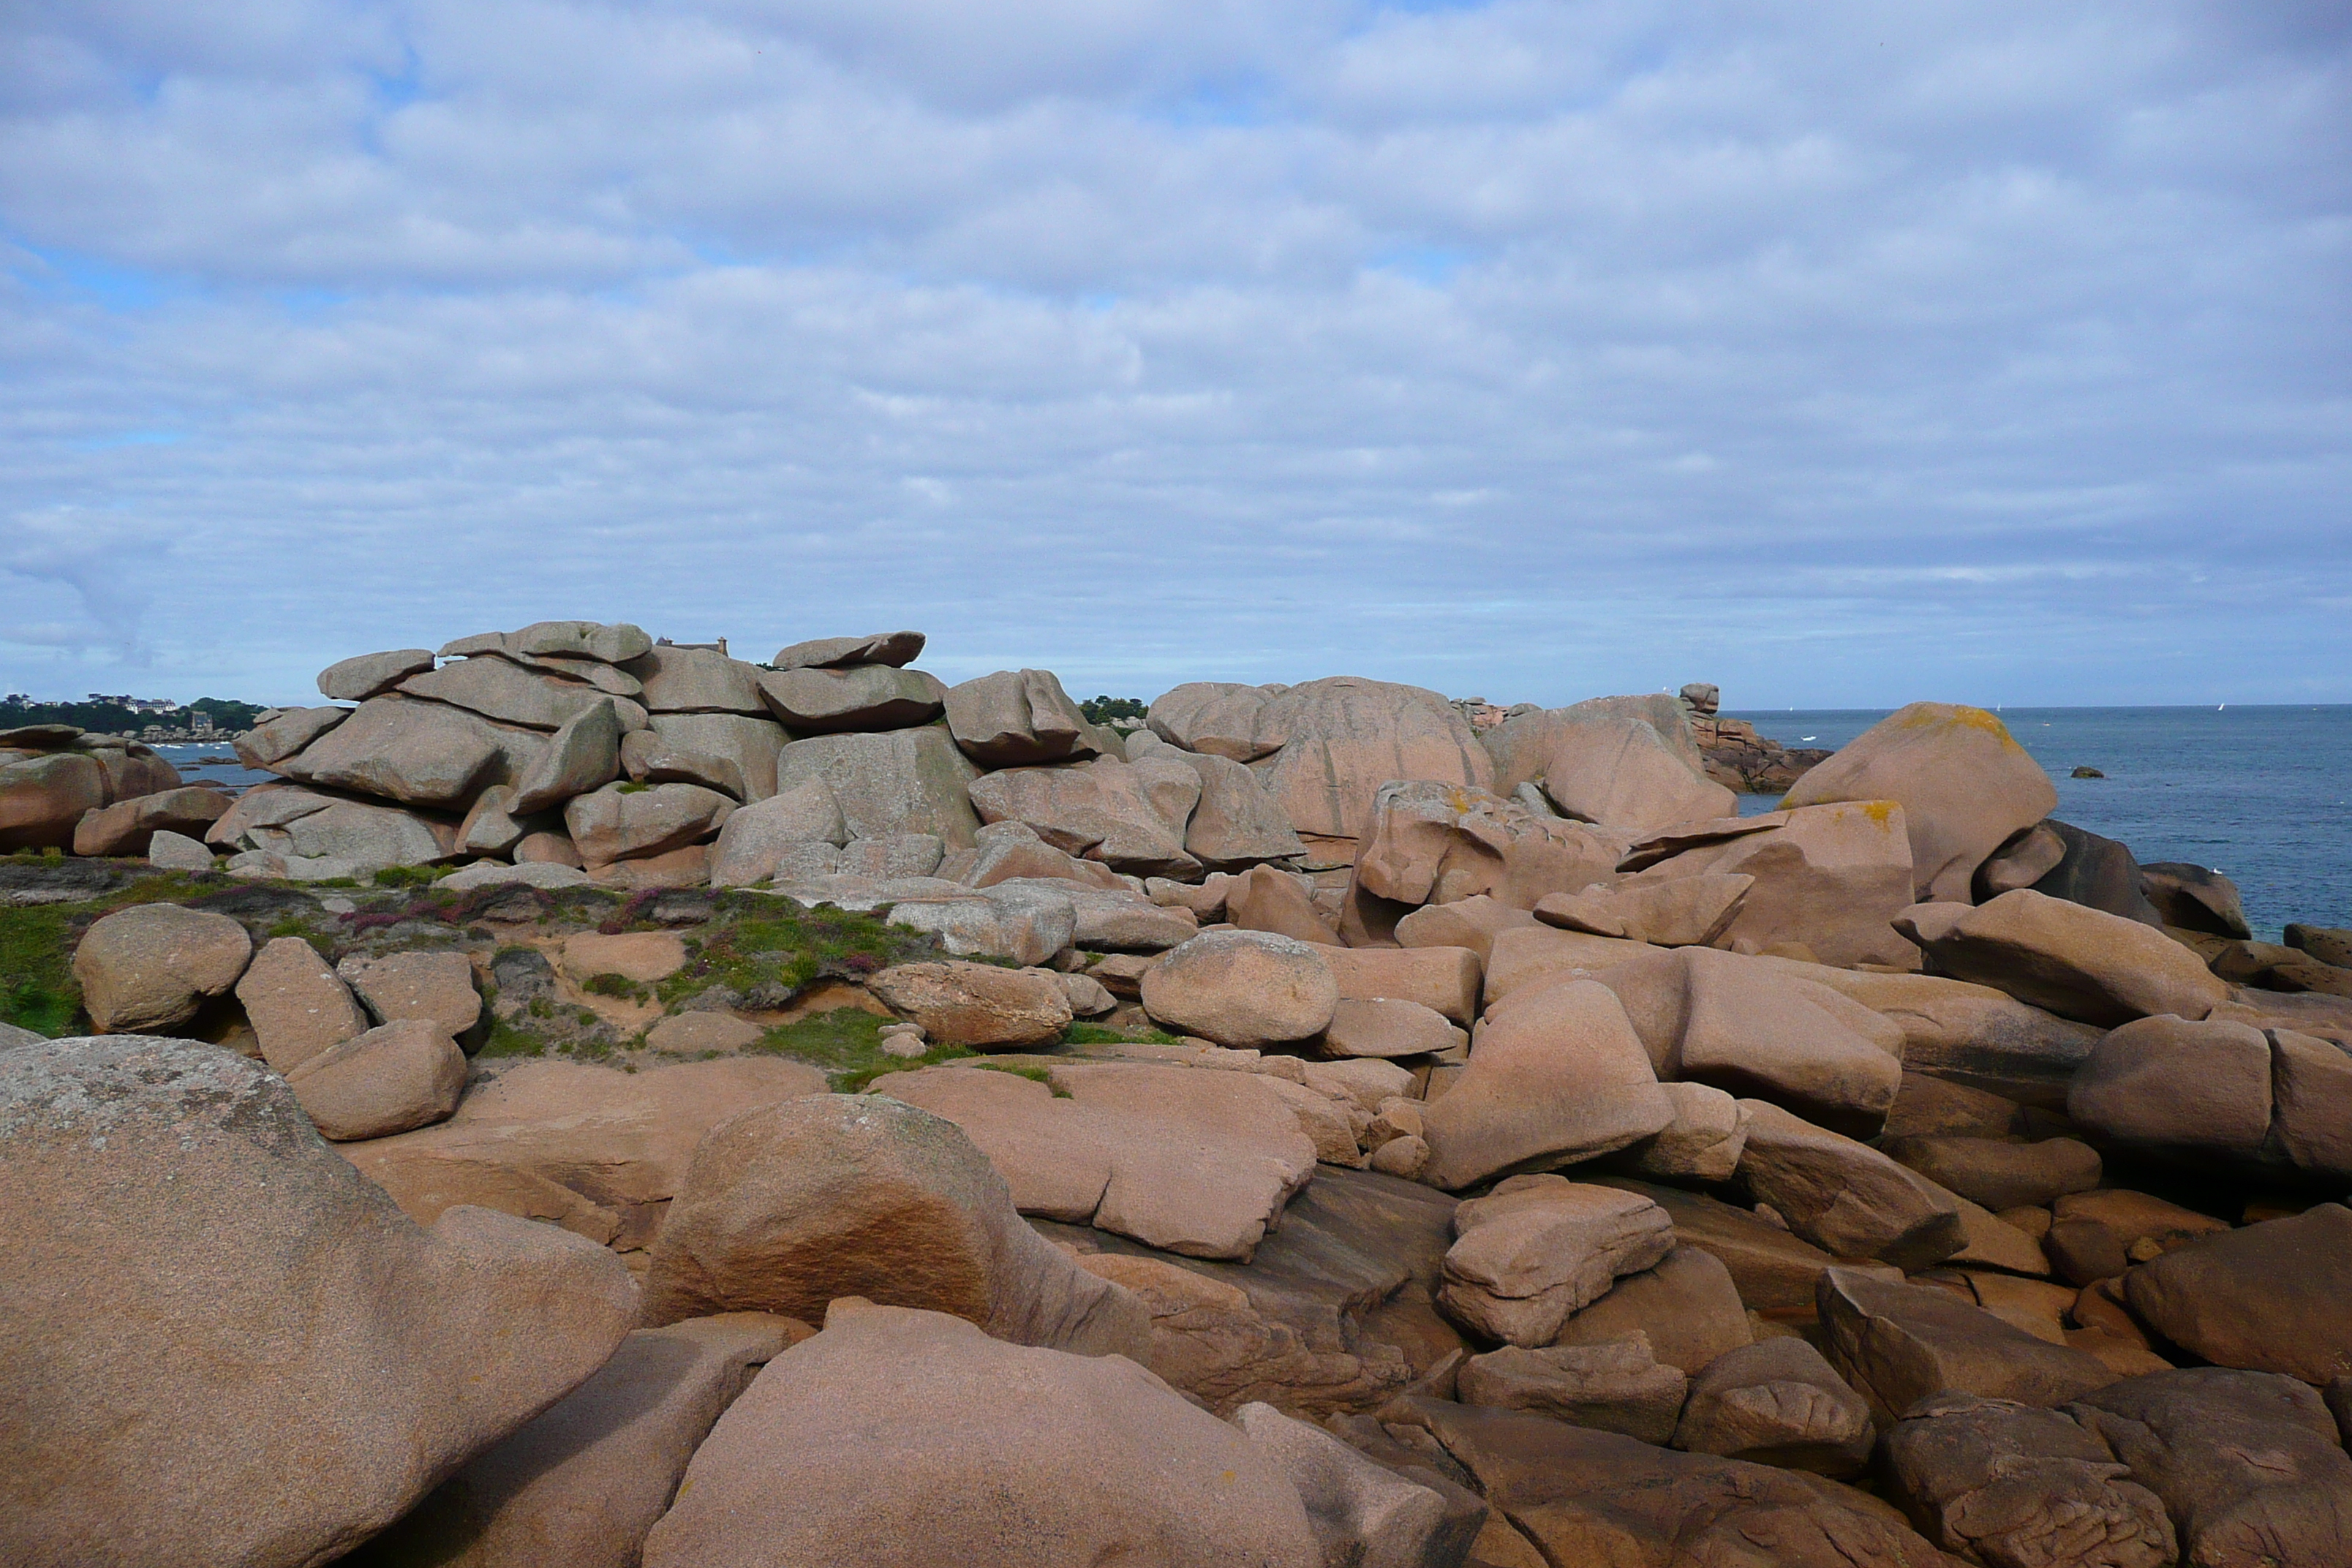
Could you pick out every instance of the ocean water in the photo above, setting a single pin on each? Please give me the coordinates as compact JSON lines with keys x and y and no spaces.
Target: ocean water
{"x":2262,"y":795}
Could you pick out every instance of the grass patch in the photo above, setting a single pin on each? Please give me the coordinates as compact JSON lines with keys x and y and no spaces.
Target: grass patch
{"x":407,"y":876}
{"x":1035,"y":1075}
{"x":38,"y":988}
{"x":1083,"y":1034}
{"x":753,"y":944}
{"x":619,"y":986}
{"x":506,"y":1040}
{"x":847,"y":1044}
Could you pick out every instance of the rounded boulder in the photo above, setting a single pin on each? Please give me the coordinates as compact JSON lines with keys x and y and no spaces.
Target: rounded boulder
{"x":1242,"y":989}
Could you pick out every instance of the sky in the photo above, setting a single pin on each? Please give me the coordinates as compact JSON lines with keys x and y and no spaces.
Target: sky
{"x":1840,"y":354}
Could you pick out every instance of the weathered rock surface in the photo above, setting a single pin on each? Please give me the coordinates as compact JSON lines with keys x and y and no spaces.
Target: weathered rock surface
{"x":790,"y":1205}
{"x":1686,"y":1304}
{"x":2078,"y":962}
{"x":290,"y":821}
{"x":1341,"y":738}
{"x":894,"y":648}
{"x":2248,"y":1465}
{"x":127,"y":826}
{"x":998,"y":1453}
{"x":1613,"y":1386}
{"x":371,"y":674}
{"x":500,"y":689}
{"x":1268,"y":899}
{"x":1100,"y":810}
{"x":1540,"y":1247}
{"x":755,"y":839}
{"x":1702,"y":1142}
{"x":1235,"y":823}
{"x":154,"y":966}
{"x":1596,"y":1497}
{"x":1622,"y":772}
{"x":297,"y":1006}
{"x":1446,"y":980}
{"x":696,"y":680}
{"x":1999,"y":1175}
{"x":891,"y":782}
{"x":437,"y":987}
{"x":1828,"y":879}
{"x":1364,"y":1515}
{"x":1216,"y":717}
{"x":273,"y":741}
{"x":635,"y":823}
{"x":2183,"y":1088}
{"x":2274,"y":1297}
{"x":2009,"y":1483}
{"x":1777,"y":1402}
{"x":1242,"y":989}
{"x":1845,"y":1196}
{"x":420,"y":754}
{"x":1389,"y":1027}
{"x":582,"y":756}
{"x":1555,"y":1076}
{"x":1895,"y":1342}
{"x":733,"y":747}
{"x":331,"y":1362}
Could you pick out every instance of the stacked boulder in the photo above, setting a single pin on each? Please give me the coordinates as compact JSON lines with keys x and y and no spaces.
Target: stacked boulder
{"x":62,"y":788}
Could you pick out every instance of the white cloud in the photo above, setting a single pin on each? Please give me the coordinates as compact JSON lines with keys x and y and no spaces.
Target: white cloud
{"x":1839,"y":353}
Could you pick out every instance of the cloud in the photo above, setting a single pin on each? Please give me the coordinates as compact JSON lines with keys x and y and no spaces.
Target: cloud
{"x":1839,"y":354}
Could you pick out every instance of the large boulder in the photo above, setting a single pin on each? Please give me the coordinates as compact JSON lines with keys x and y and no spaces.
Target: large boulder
{"x":1539,"y":1247}
{"x":393,"y":1078}
{"x":154,"y":966}
{"x":1555,"y":1076}
{"x":436,"y":987}
{"x":2183,"y":1090}
{"x":864,"y":697}
{"x":976,"y":1004}
{"x":1965,"y":1033}
{"x":2004,"y":1482}
{"x":2096,"y":872}
{"x":1341,"y":738}
{"x":707,"y":748}
{"x":1587,"y":1497}
{"x":1621,"y":772}
{"x":2250,"y":1467}
{"x":2273,"y":1297}
{"x":890,"y":782}
{"x":696,"y":680}
{"x":1440,"y":843}
{"x":1964,"y":783}
{"x":1017,"y":718}
{"x":1266,"y":898}
{"x":1242,"y":989}
{"x":371,"y":674}
{"x":297,"y":1006}
{"x":282,"y":734}
{"x":995,"y":1453}
{"x":290,"y":820}
{"x":1896,"y":1342}
{"x":419,"y":753}
{"x":894,"y":648}
{"x":2078,"y":962}
{"x":1616,"y":1385}
{"x":1523,"y":745}
{"x":1217,"y":719}
{"x":1686,"y":1305}
{"x":1828,"y":879}
{"x":1776,"y":1273}
{"x":584,"y":754}
{"x":615,"y":642}
{"x":581,"y":1486}
{"x":1999,"y":1174}
{"x":529,"y":696}
{"x":1845,"y":1196}
{"x":329,"y":1362}
{"x":127,"y":826}
{"x":1364,"y":1515}
{"x":790,"y":1205}
{"x":635,"y":822}
{"x":44,"y":797}
{"x":1742,"y":1025}
{"x":1444,"y":979}
{"x":1236,"y":822}
{"x":1102,"y":810}
{"x":755,"y":839}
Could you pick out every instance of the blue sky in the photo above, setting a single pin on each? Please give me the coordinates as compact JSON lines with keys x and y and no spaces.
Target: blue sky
{"x":1842,"y":354}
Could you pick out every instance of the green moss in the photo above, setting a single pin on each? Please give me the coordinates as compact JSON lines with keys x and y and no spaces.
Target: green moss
{"x":847,"y":1044}
{"x":1035,"y":1075}
{"x":37,"y":989}
{"x":506,"y":1040}
{"x":631,"y":788}
{"x":754,"y":943}
{"x":1083,"y":1034}
{"x":405,"y":877}
{"x":617,"y":986}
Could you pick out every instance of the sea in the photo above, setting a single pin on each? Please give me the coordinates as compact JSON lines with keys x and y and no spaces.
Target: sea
{"x":2261,"y":793}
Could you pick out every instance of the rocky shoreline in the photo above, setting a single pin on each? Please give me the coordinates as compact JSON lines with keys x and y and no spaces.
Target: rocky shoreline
{"x":607,"y":1102}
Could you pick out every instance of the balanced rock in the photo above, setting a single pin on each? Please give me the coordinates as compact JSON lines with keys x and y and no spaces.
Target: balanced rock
{"x":371,"y":674}
{"x":331,"y":1362}
{"x":154,"y":966}
{"x":1017,"y":718}
{"x":630,"y":823}
{"x":791,"y":1205}
{"x":864,"y":697}
{"x":1217,"y":719}
{"x":894,"y":648}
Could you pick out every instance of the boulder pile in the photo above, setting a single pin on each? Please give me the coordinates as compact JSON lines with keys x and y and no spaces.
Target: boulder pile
{"x":609,"y":1103}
